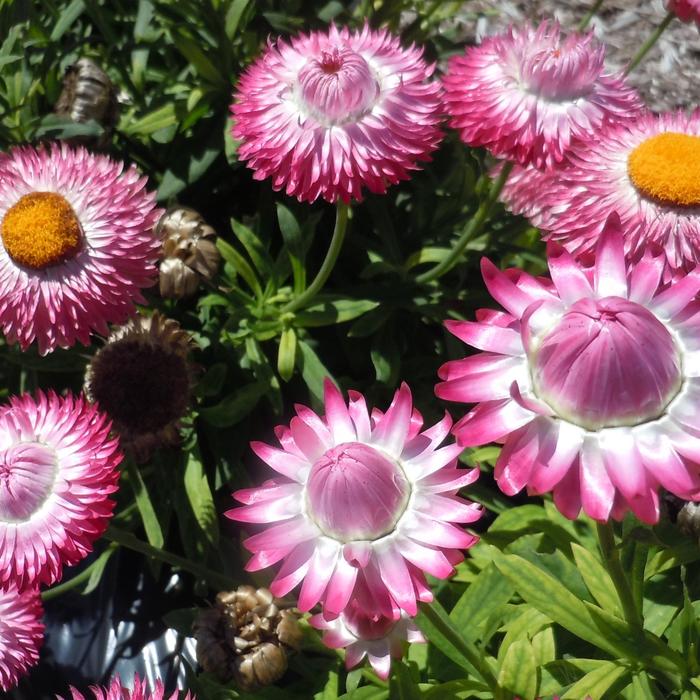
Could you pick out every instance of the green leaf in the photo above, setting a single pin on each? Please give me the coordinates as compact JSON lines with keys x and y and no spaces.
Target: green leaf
{"x":294,"y":242}
{"x":67,"y":18}
{"x":330,"y":690}
{"x":463,"y":689}
{"x":597,"y":579}
{"x":213,"y":379}
{"x":233,"y":17}
{"x":201,"y":499}
{"x":518,"y":671}
{"x":235,"y":407}
{"x":643,"y":688}
{"x":544,"y":645}
{"x":158,"y":119}
{"x":325,"y":312}
{"x":151,"y":525}
{"x":240,"y":265}
{"x":189,"y":47}
{"x":527,"y":623}
{"x":367,"y":692}
{"x":254,"y":247}
{"x":286,"y":354}
{"x":403,"y":687}
{"x":313,"y":371}
{"x":596,"y":683}
{"x":97,"y":569}
{"x":181,"y":620}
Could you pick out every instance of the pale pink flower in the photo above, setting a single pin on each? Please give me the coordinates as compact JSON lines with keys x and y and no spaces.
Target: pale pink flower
{"x":529,"y":95}
{"x":648,"y":172}
{"x":332,"y":112}
{"x":77,"y":244}
{"x":359,"y":491}
{"x":363,"y":631}
{"x":591,"y":380}
{"x":21,"y":633}
{"x":118,"y":691}
{"x":58,"y":467}
{"x":686,"y":10}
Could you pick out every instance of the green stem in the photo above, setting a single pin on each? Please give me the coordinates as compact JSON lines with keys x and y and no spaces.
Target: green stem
{"x":341,"y":224}
{"x":126,"y":539}
{"x":467,"y":649}
{"x":590,"y":15}
{"x":611,"y":561}
{"x":644,"y":49}
{"x":82,"y":577}
{"x":472,"y":229}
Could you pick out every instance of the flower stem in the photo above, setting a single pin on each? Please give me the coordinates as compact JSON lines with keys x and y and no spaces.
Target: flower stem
{"x":644,"y":49}
{"x":590,"y":15}
{"x":472,"y":229}
{"x":341,"y":224}
{"x":126,"y":539}
{"x":611,"y":561}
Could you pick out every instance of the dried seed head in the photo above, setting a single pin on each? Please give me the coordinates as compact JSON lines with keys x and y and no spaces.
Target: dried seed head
{"x":688,"y":520}
{"x":189,"y":252}
{"x":142,"y":378}
{"x":88,"y":94}
{"x":246,"y":636}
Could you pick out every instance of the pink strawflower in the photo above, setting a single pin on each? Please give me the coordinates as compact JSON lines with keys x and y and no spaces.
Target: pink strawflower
{"x":529,"y":95}
{"x":591,"y":381}
{"x":685,"y":10}
{"x":359,"y":492}
{"x":332,"y":112}
{"x":77,"y":244}
{"x":118,"y":691}
{"x":363,"y":631}
{"x":21,"y":633}
{"x":648,"y":172}
{"x":58,"y":466}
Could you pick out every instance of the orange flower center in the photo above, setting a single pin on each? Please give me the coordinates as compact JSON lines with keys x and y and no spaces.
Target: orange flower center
{"x":666,"y":168}
{"x":41,"y":230}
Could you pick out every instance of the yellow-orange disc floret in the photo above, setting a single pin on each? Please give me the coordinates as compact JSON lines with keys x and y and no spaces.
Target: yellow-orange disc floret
{"x":666,"y":168}
{"x":41,"y":230}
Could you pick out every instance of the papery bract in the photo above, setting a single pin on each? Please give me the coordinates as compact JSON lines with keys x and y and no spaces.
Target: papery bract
{"x":118,"y":691}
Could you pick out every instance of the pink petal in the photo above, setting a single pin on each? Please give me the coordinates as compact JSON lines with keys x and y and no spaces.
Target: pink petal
{"x":610,"y":273}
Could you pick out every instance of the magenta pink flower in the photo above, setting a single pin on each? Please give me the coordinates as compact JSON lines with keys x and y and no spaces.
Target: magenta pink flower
{"x":686,"y":10}
{"x":529,"y":95}
{"x":77,"y":244}
{"x":648,"y":172}
{"x":592,"y":381}
{"x":363,"y":631}
{"x":21,"y":633}
{"x":118,"y":691}
{"x":58,"y":467}
{"x":359,"y":492}
{"x":332,"y":112}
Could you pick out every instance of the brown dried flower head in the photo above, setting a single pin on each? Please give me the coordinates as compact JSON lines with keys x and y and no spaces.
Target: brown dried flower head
{"x":189,"y":252}
{"x":246,"y":636}
{"x":142,"y":378}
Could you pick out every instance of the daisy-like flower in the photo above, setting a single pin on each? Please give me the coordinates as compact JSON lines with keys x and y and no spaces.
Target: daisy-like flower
{"x":362,"y":632}
{"x":332,"y":112}
{"x":592,"y":381}
{"x":529,"y":95}
{"x":685,"y":10}
{"x":359,"y":492}
{"x":58,"y":467}
{"x":21,"y":633}
{"x":648,"y":172}
{"x":118,"y":691}
{"x":142,"y":379}
{"x":77,"y":244}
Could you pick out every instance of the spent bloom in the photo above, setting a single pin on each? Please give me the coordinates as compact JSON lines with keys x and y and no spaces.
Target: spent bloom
{"x":685,"y":10}
{"x":77,"y":244}
{"x":529,"y":94}
{"x":363,"y":631}
{"x":329,"y":113}
{"x":21,"y":633}
{"x":591,"y":381}
{"x":58,"y":467}
{"x":648,"y":172}
{"x":359,"y":492}
{"x":118,"y":691}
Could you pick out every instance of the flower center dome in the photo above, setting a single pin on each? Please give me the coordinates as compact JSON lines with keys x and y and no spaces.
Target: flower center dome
{"x":338,"y":87}
{"x":607,"y":362}
{"x":355,"y":492}
{"x":41,"y":230}
{"x":666,"y":168}
{"x":27,"y":475}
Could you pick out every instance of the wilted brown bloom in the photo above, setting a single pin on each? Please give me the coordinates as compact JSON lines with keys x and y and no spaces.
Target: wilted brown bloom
{"x":688,"y":520}
{"x":142,"y":378}
{"x":246,"y":636}
{"x":189,"y":252}
{"x":88,"y":94}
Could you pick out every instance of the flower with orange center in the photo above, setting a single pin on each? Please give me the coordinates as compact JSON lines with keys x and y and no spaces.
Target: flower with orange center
{"x":647,"y":172}
{"x":77,"y":244}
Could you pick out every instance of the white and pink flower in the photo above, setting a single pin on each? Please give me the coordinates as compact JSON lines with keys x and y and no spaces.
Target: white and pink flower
{"x":117,"y":690}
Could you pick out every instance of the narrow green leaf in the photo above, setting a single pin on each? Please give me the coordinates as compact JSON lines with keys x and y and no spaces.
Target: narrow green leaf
{"x":97,"y":569}
{"x":286,"y":354}
{"x":528,"y":622}
{"x":189,"y":47}
{"x":330,"y":690}
{"x":313,"y":371}
{"x":158,"y":119}
{"x":597,"y":579}
{"x":234,"y":408}
{"x":643,"y":688}
{"x":597,"y":682}
{"x":294,"y":242}
{"x":67,"y":18}
{"x":151,"y":524}
{"x":403,"y":687}
{"x":240,"y":265}
{"x":544,"y":645}
{"x":256,"y":250}
{"x":201,"y":500}
{"x":518,"y":671}
{"x":233,"y":17}
{"x":325,"y":312}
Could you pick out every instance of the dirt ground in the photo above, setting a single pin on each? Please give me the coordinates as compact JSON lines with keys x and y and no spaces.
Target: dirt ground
{"x":669,"y":75}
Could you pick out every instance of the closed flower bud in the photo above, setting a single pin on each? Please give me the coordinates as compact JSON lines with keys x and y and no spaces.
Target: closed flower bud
{"x":189,"y":252}
{"x":246,"y":637}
